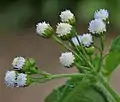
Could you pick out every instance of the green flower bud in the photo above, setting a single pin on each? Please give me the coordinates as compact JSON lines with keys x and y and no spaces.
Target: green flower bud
{"x":90,"y":50}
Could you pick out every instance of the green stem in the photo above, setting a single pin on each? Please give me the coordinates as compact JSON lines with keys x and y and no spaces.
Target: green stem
{"x":82,"y":48}
{"x":67,"y":75}
{"x":39,"y":80}
{"x":101,"y":53}
{"x":110,"y":90}
{"x":61,"y":43}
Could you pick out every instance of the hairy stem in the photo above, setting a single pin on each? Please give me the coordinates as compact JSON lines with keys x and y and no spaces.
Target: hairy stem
{"x":101,"y":53}
{"x":83,"y":58}
{"x":42,"y":80}
{"x":110,"y":89}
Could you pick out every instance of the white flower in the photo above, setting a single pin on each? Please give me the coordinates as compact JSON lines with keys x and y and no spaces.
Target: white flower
{"x":97,"y":26}
{"x":101,"y":14}
{"x":18,"y":62}
{"x":63,"y":29}
{"x":10,"y":77}
{"x":66,"y":16}
{"x":86,"y":39}
{"x":75,"y":40}
{"x":42,"y":28}
{"x":21,"y":79}
{"x":67,"y":59}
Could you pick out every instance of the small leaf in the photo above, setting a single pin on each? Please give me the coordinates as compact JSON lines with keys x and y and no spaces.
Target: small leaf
{"x":112,"y":61}
{"x":32,"y":61}
{"x":75,"y":91}
{"x":113,"y":58}
{"x":115,"y":46}
{"x":60,"y":93}
{"x":84,"y":93}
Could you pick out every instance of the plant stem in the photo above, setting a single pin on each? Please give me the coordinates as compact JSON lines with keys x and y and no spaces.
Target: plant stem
{"x":67,"y":75}
{"x":42,"y":80}
{"x":110,"y":90}
{"x":61,"y":43}
{"x":101,"y":53}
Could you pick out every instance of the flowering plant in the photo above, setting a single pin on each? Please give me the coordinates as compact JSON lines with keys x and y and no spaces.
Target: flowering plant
{"x":91,"y":83}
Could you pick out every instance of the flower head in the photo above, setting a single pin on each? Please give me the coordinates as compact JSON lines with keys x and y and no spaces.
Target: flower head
{"x":101,"y":14}
{"x":86,"y":39}
{"x":67,"y":59}
{"x":97,"y":26}
{"x":64,"y":30}
{"x":75,"y":40}
{"x":44,"y":29}
{"x":18,"y":62}
{"x":10,"y":77}
{"x":67,"y":16}
{"x":21,"y":79}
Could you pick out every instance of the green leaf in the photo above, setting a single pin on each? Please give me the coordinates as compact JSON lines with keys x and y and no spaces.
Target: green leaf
{"x":59,"y":94}
{"x":75,"y":91}
{"x":113,"y":59}
{"x":115,"y":46}
{"x":32,"y":61}
{"x":84,"y":92}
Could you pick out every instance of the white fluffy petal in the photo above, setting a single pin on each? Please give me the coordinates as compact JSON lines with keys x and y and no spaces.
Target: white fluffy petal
{"x":63,"y":29}
{"x":101,"y":14}
{"x":66,"y":16}
{"x":67,"y":59}
{"x":75,"y":40}
{"x":18,"y":62}
{"x":41,"y":27}
{"x":10,"y":77}
{"x":97,"y":26}
{"x":21,"y":79}
{"x":86,"y":39}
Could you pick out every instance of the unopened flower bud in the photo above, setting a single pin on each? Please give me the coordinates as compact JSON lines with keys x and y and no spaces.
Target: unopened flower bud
{"x":97,"y":26}
{"x":67,"y":59}
{"x":44,"y":29}
{"x":64,"y":31}
{"x":22,"y":80}
{"x":18,"y":63}
{"x":67,"y":17}
{"x":101,"y":14}
{"x":90,"y":50}
{"x":86,"y":40}
{"x":10,"y":78}
{"x":75,"y":40}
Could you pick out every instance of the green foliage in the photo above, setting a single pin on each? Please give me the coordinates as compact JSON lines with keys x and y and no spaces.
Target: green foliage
{"x":115,"y":46}
{"x":59,"y":94}
{"x":82,"y":92}
{"x":113,"y":59}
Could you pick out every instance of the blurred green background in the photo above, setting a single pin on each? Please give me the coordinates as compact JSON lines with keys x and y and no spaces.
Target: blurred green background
{"x":18,"y":38}
{"x":17,"y":14}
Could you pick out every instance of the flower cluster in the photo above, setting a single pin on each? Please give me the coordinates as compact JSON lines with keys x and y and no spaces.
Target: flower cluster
{"x":98,"y":25}
{"x":14,"y":79}
{"x":66,"y":31}
{"x":92,"y":68}
{"x":17,"y":77}
{"x":81,"y":47}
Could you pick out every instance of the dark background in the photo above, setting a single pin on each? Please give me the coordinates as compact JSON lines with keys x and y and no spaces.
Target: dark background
{"x":18,"y":38}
